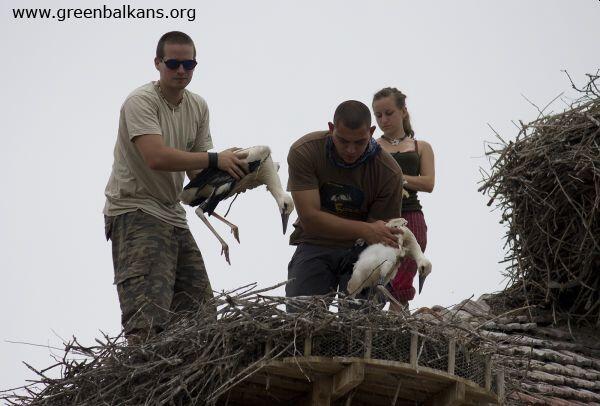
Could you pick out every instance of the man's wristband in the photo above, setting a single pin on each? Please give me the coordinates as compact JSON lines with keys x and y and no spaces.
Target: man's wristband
{"x":213,"y":160}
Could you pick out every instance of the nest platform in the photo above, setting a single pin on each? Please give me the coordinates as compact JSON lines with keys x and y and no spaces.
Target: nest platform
{"x":343,"y":380}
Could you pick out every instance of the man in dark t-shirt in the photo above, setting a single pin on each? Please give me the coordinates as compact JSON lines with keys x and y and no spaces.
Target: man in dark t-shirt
{"x":345,"y":187}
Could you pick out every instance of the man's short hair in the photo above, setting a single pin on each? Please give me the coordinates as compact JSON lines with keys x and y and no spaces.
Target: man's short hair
{"x":353,"y":114}
{"x":173,"y":37}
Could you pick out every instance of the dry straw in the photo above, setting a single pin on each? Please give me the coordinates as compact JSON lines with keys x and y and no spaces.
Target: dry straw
{"x":547,"y":186}
{"x":200,"y":357}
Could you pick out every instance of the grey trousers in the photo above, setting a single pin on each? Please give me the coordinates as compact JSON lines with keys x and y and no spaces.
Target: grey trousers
{"x":318,"y":270}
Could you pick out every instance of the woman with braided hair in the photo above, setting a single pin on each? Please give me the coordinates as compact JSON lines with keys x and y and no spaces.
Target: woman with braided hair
{"x":416,"y":159}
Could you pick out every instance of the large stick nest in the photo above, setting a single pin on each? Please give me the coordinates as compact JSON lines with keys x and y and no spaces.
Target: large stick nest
{"x":198,"y":358}
{"x":547,"y":185}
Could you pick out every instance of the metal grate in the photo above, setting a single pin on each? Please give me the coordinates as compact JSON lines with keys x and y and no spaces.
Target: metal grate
{"x":385,"y":345}
{"x":494,"y":387}
{"x":470,"y":366}
{"x":338,"y":345}
{"x":294,"y":350}
{"x":432,"y":354}
{"x":391,"y":345}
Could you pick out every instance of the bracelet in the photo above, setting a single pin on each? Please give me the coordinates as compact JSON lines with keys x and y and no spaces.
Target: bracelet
{"x":213,"y":160}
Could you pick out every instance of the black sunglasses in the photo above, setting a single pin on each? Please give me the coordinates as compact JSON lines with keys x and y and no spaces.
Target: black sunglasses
{"x":189,"y":64}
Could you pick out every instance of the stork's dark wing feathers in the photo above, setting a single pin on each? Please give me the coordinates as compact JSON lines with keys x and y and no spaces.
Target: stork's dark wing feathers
{"x":253,"y":166}
{"x":214,"y":178}
{"x":209,"y":204}
{"x":211,"y":176}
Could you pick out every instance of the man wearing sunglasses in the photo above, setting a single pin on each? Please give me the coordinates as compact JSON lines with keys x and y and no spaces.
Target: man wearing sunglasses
{"x":163,"y":132}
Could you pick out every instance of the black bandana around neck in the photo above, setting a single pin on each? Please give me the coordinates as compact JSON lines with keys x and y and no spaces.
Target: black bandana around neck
{"x":371,"y":151}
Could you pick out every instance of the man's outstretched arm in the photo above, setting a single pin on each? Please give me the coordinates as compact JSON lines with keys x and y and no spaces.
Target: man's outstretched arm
{"x":161,"y":157}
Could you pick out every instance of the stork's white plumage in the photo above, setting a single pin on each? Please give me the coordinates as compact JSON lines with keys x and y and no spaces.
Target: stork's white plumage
{"x":378,"y":263}
{"x":213,"y":185}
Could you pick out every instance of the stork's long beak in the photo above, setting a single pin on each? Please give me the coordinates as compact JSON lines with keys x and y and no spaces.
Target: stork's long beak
{"x":421,"y":281}
{"x":285,"y":216}
{"x":284,"y":220}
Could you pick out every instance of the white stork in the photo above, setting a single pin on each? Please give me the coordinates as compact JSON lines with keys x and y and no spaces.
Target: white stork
{"x":213,"y":185}
{"x":378,"y":263}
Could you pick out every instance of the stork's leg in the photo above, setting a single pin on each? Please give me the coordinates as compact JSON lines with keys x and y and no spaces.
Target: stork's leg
{"x":224,"y":246}
{"x":387,"y":272}
{"x":234,"y":228}
{"x":388,"y":295}
{"x":398,"y":307}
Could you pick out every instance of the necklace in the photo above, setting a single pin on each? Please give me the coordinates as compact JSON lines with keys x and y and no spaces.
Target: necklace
{"x":393,"y":141}
{"x":171,"y":105}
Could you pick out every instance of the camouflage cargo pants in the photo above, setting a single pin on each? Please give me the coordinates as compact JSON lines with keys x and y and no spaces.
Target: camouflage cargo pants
{"x":159,"y":270}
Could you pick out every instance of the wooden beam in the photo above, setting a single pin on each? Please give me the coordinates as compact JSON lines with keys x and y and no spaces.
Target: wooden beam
{"x":268,"y":347}
{"x":414,"y":344}
{"x":451,"y":396}
{"x":368,"y":343}
{"x":348,"y":379}
{"x":308,"y":346}
{"x":380,"y":378}
{"x":500,"y":386}
{"x":349,"y":398}
{"x":277,"y":382}
{"x":321,"y":391}
{"x":397,"y":393}
{"x":488,"y":373}
{"x":451,"y":355}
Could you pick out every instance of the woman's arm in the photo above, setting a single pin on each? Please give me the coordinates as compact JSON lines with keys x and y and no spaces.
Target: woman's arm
{"x":426,"y":181}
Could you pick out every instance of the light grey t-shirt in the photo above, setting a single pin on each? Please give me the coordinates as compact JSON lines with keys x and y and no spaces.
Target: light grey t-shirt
{"x":132,"y":184}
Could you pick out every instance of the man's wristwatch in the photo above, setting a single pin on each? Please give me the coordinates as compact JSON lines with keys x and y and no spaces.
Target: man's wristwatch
{"x":213,"y":160}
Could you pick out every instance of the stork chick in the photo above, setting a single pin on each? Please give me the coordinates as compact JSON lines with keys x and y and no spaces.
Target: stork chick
{"x":378,"y":263}
{"x":213,"y":185}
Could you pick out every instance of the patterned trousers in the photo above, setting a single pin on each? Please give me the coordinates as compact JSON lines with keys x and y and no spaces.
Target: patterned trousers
{"x":402,"y":285}
{"x":158,"y":270}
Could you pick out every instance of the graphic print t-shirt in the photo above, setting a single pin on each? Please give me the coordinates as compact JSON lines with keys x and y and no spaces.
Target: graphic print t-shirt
{"x":371,"y":191}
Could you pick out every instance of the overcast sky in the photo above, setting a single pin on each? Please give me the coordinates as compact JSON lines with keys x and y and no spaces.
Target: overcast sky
{"x":271,"y":71}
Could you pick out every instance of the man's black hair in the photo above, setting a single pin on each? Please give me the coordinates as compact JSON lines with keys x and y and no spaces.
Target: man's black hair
{"x":353,"y":114}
